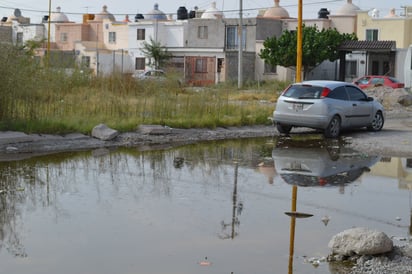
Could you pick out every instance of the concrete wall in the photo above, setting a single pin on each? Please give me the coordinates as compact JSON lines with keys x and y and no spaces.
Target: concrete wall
{"x":74,"y":33}
{"x":216,"y":34}
{"x":6,"y":34}
{"x":268,"y":27}
{"x":122,"y":35}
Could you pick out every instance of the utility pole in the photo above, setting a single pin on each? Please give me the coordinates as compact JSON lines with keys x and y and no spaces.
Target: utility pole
{"x":97,"y":50}
{"x":299,"y":45}
{"x":240,"y":55}
{"x":295,"y":188}
{"x":48,"y":35}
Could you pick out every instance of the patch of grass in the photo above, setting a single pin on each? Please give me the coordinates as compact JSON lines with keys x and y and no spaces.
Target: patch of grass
{"x":42,"y":100}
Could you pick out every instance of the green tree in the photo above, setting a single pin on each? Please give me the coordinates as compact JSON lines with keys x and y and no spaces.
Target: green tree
{"x":30,"y":46}
{"x":156,"y":53}
{"x":317,"y":46}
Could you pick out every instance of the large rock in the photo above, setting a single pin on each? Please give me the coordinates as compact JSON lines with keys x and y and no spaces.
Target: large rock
{"x":405,"y":100}
{"x":360,"y":241}
{"x":104,"y":133}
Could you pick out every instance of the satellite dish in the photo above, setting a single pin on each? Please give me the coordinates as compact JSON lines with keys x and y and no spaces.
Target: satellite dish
{"x":17,"y":13}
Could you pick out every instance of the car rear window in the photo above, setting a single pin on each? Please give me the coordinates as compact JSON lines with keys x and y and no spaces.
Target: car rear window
{"x":303,"y":92}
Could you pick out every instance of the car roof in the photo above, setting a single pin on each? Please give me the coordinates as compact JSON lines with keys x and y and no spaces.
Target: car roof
{"x":378,"y":76}
{"x":325,"y":83}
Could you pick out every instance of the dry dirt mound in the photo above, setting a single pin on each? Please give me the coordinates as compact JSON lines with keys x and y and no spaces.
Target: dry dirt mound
{"x":395,"y":101}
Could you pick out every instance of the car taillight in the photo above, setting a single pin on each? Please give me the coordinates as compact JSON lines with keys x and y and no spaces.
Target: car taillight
{"x":325,"y":92}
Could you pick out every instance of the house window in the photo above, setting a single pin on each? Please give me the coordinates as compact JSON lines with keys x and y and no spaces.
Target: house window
{"x":86,"y":61}
{"x":270,"y":69}
{"x":372,"y":35}
{"x":63,"y":37}
{"x":232,"y":37}
{"x":201,"y":65}
{"x":351,"y":69}
{"x":112,"y":37}
{"x":141,"y":34}
{"x":140,"y":63}
{"x":202,"y":32}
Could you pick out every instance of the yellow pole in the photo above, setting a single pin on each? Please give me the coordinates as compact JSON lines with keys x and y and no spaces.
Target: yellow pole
{"x":48,"y":35}
{"x":299,"y":45}
{"x":295,"y":188}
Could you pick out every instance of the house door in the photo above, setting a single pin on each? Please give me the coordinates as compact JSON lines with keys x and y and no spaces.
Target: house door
{"x":375,"y":68}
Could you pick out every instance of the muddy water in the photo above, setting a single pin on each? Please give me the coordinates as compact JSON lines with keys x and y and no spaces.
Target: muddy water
{"x":207,"y":208}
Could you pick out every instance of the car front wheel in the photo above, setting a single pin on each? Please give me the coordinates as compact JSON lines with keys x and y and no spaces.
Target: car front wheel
{"x":377,"y":122}
{"x":285,"y":129}
{"x":333,"y":129}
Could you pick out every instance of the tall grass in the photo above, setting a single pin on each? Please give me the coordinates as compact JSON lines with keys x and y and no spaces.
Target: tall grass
{"x":50,"y":100}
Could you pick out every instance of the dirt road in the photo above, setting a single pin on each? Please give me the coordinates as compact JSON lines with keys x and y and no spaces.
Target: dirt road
{"x":394,"y":140}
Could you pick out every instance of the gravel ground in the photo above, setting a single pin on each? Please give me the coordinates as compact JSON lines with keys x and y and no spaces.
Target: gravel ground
{"x":397,"y":262}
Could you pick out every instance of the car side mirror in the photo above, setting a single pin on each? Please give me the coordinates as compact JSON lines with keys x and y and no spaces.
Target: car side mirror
{"x":370,"y":99}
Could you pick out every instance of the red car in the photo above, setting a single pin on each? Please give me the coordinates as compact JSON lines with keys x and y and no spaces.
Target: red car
{"x":377,"y":80}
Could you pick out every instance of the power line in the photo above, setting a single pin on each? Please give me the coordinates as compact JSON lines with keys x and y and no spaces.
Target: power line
{"x":120,"y":14}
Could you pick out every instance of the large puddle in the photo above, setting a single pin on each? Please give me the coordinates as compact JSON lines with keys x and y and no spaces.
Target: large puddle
{"x":226,"y":207}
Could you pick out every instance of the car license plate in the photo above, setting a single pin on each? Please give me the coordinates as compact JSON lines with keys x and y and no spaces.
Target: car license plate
{"x":297,"y":107}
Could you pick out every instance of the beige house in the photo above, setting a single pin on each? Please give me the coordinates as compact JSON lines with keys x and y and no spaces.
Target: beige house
{"x":373,"y":27}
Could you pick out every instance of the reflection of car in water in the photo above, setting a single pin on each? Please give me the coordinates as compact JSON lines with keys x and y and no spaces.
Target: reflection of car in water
{"x":316,"y":166}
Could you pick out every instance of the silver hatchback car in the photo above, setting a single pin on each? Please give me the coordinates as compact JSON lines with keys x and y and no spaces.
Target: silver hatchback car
{"x":327,"y":105}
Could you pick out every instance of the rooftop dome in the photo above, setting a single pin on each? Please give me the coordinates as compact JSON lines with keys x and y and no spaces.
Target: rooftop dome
{"x":348,"y":9}
{"x":156,"y":14}
{"x":277,"y":11}
{"x":104,"y":14}
{"x":58,"y":16}
{"x":212,"y":12}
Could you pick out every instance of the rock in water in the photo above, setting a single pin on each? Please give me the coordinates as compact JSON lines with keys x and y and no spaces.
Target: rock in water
{"x":360,"y":241}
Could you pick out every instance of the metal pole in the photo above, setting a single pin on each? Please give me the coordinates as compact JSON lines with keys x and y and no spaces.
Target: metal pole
{"x":48,"y":35}
{"x":122,"y":60}
{"x":97,"y":50}
{"x":299,"y":45}
{"x":240,"y":56}
{"x":114,"y":61}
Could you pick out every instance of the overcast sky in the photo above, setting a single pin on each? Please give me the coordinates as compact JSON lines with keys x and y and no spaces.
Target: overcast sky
{"x":35,"y":9}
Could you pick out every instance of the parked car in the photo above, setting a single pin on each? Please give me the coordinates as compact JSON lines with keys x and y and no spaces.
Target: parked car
{"x":377,"y":80}
{"x":153,"y":74}
{"x":328,"y":106}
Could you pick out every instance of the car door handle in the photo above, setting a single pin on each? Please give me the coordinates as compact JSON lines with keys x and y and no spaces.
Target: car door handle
{"x":354,"y":105}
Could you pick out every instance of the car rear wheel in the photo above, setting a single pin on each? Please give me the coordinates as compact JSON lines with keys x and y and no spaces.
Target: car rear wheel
{"x":285,"y":129}
{"x":377,"y":122}
{"x":333,"y":129}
